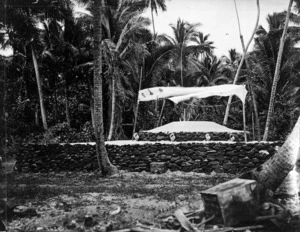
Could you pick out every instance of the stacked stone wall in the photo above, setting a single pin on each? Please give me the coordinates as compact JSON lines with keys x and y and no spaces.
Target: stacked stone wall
{"x":204,"y":157}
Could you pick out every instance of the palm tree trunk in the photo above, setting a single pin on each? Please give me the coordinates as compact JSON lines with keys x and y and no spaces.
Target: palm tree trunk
{"x":68,"y":118}
{"x":289,"y":191}
{"x":40,"y":91}
{"x":91,"y":96}
{"x":3,"y":116}
{"x":181,"y":66}
{"x":106,"y":168}
{"x":280,"y":173}
{"x":137,"y":105}
{"x":242,"y":60}
{"x":161,"y":113}
{"x":113,"y":107}
{"x":276,"y":75}
{"x":257,"y":126}
{"x":276,"y":169}
{"x":153,"y":23}
{"x":36,"y":116}
{"x":55,"y":108}
{"x":253,"y":126}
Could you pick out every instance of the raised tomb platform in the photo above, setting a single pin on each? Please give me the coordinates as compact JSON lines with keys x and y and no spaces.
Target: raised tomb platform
{"x":191,"y":150}
{"x":191,"y":131}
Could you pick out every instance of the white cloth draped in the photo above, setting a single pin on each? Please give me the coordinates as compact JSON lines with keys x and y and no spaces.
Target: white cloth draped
{"x":179,"y":94}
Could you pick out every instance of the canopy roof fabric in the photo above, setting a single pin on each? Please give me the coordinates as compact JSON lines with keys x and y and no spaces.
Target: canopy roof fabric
{"x":178,"y":94}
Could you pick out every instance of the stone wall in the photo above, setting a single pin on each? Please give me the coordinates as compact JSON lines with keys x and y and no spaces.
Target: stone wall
{"x":189,"y":136}
{"x":199,"y":157}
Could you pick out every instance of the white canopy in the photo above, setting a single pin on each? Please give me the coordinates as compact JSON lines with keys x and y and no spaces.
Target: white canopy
{"x":178,"y":94}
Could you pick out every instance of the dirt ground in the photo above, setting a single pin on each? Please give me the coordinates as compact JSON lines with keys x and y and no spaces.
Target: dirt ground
{"x":89,"y":202}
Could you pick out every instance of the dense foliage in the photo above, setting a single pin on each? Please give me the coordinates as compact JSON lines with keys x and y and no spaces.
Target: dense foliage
{"x":60,"y":35}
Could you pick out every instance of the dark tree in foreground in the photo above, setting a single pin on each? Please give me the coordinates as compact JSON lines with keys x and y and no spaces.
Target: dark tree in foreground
{"x":104,"y":164}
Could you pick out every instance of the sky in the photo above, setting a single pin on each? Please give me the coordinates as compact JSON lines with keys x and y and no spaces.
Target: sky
{"x":218,"y":18}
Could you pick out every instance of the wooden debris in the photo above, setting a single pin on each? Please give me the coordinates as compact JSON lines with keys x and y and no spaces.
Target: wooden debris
{"x":185,"y":223}
{"x":229,"y":229}
{"x":232,"y":202}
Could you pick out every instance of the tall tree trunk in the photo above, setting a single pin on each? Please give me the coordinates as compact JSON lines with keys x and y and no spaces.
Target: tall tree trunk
{"x":113,"y":108}
{"x":91,"y":96}
{"x":242,"y":61}
{"x":137,"y":104}
{"x":36,"y":115}
{"x":153,"y":23}
{"x":277,"y":71}
{"x":40,"y":90}
{"x":257,"y":126}
{"x":106,"y":168}
{"x":66,"y":91}
{"x":161,"y":113}
{"x":275,"y":170}
{"x":3,"y":118}
{"x":181,"y":65}
{"x":55,"y":105}
{"x":280,"y":173}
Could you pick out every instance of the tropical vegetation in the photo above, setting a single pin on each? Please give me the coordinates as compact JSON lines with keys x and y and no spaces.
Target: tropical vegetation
{"x":50,"y":80}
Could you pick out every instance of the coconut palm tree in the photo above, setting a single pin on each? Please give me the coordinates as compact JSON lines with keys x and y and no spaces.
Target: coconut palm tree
{"x":123,"y":29}
{"x":277,"y":71}
{"x":263,"y":63}
{"x":203,"y":45}
{"x":184,"y":33}
{"x":104,"y":164}
{"x":245,"y":48}
{"x":24,"y":36}
{"x":154,"y":5}
{"x":64,"y":42}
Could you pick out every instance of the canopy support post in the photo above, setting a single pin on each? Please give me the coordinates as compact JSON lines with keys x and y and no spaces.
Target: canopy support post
{"x":244,"y":122}
{"x":137,"y":105}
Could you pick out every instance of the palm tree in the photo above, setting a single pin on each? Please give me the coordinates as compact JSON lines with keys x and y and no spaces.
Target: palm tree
{"x":277,"y":71}
{"x":64,"y":40}
{"x":248,"y":69}
{"x":123,"y":27}
{"x":276,"y":172}
{"x":204,"y":46}
{"x":40,"y":91}
{"x":263,"y":63}
{"x":154,"y":5}
{"x":24,"y":35}
{"x":184,"y":33}
{"x":104,"y":164}
{"x":245,"y":48}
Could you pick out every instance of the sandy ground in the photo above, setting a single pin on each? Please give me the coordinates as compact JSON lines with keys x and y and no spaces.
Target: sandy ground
{"x":85,"y":202}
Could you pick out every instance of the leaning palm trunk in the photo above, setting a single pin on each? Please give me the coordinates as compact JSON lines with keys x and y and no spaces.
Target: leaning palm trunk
{"x":279,"y":173}
{"x":103,"y":161}
{"x":113,"y":107}
{"x":276,"y":169}
{"x":40,"y":91}
{"x":288,"y":191}
{"x":241,"y":62}
{"x":276,"y":75}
